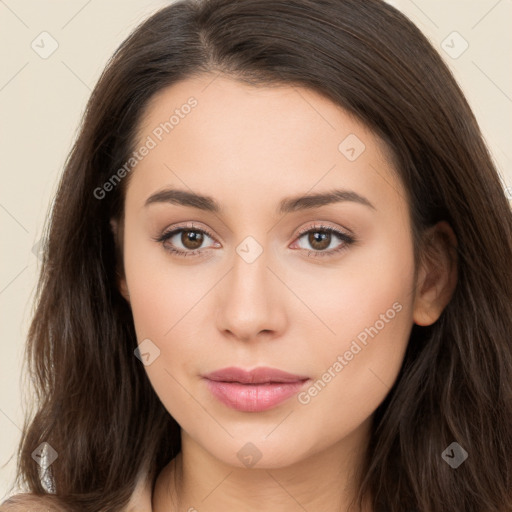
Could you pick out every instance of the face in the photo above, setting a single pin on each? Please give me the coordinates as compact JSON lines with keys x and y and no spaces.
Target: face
{"x":320,"y":289}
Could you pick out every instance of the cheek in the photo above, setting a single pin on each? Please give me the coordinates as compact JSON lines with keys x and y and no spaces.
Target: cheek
{"x":169,"y":308}
{"x":161,"y":293}
{"x":162,"y":298}
{"x":369,"y":308}
{"x":356,"y":374}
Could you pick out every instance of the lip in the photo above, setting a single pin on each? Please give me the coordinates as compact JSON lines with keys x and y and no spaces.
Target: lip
{"x":260,"y":375}
{"x":253,"y":391}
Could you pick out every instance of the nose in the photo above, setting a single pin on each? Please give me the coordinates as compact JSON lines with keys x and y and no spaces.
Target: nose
{"x":251,"y":300}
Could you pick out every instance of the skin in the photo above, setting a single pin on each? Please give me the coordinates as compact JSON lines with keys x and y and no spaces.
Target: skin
{"x":248,"y":148}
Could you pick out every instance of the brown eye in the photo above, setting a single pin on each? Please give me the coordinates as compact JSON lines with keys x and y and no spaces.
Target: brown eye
{"x":319,"y":240}
{"x":191,"y":239}
{"x":185,"y":241}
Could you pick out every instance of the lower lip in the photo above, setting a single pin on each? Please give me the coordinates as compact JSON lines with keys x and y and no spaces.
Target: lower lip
{"x":253,"y":397}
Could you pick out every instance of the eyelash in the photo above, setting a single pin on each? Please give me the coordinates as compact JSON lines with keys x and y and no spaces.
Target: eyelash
{"x":347,"y":240}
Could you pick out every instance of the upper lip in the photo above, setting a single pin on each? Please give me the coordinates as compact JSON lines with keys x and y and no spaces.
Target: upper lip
{"x":260,"y":375}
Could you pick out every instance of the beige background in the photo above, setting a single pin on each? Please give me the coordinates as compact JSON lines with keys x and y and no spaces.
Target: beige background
{"x":42,"y":101}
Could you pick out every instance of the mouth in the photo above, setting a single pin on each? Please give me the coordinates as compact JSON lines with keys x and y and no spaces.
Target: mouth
{"x":253,"y":391}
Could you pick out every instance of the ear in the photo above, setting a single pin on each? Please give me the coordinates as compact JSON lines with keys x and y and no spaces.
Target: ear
{"x":121,"y":278}
{"x":437,"y":275}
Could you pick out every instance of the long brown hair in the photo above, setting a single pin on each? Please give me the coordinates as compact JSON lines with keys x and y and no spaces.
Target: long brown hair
{"x":95,"y":405}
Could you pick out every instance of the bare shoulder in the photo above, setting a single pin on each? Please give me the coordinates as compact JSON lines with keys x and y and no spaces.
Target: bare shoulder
{"x":30,"y":502}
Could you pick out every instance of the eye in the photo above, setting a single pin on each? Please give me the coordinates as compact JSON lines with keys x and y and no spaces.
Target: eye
{"x":320,"y":237}
{"x":190,"y":238}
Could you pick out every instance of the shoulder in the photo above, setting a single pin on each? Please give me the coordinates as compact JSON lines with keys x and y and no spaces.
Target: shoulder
{"x":32,"y":502}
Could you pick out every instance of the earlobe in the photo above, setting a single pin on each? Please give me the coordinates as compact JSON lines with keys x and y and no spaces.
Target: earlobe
{"x":437,"y":275}
{"x":123,"y":289}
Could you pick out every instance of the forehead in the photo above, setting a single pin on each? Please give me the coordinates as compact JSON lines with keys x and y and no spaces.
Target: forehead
{"x":212,"y":133}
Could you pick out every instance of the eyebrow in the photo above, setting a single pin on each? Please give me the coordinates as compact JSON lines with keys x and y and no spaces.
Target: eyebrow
{"x":287,"y":205}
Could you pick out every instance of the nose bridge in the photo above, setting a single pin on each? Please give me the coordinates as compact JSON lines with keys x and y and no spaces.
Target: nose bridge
{"x":250,"y":276}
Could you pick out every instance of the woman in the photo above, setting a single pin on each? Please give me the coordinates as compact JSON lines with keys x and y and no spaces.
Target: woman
{"x":277,"y":275}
